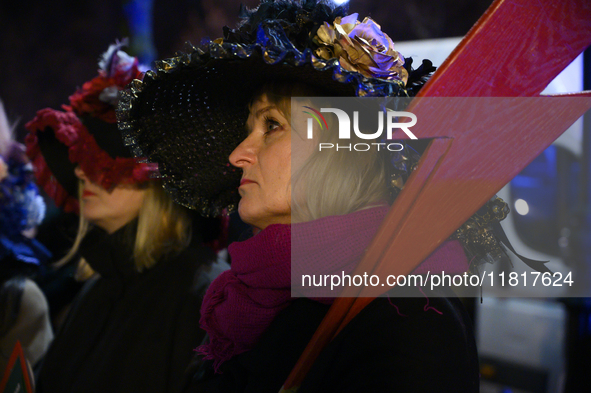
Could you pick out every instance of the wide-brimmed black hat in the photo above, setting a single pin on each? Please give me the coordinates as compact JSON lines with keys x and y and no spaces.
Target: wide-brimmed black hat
{"x":188,"y":114}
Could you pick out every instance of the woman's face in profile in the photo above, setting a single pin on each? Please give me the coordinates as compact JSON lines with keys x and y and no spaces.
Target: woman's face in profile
{"x":109,"y":209}
{"x":265,"y":159}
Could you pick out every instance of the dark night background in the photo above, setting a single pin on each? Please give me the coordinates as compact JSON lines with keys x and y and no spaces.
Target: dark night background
{"x":49,"y":48}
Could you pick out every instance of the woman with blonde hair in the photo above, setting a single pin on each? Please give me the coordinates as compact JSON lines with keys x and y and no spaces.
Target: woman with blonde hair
{"x":314,"y":210}
{"x":134,"y":324}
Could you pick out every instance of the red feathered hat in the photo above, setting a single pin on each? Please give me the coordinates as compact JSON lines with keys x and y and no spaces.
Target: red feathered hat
{"x":85,"y":134}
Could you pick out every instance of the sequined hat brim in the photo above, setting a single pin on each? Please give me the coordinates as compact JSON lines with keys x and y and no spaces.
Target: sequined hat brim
{"x":189,"y":115}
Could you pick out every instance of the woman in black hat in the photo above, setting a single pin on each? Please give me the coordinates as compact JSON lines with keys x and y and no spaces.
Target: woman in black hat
{"x":134,"y":324}
{"x":231,"y":98}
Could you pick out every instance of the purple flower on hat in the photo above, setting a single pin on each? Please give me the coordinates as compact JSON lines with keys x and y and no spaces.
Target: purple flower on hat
{"x":360,"y":47}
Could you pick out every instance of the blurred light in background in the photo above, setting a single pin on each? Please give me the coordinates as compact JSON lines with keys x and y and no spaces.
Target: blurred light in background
{"x":544,"y":196}
{"x":521,"y":207}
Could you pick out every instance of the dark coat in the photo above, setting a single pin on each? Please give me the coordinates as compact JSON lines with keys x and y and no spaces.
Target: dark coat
{"x":128,"y":331}
{"x":378,"y":351}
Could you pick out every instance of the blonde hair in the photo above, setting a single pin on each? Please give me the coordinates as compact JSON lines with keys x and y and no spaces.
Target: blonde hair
{"x":330,"y":182}
{"x":163,"y":228}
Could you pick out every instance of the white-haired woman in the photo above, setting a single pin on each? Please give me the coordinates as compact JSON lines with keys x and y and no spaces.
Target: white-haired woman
{"x":313,"y":211}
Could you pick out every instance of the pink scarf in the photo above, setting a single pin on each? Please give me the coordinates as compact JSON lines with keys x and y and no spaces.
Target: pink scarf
{"x":243,"y":301}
